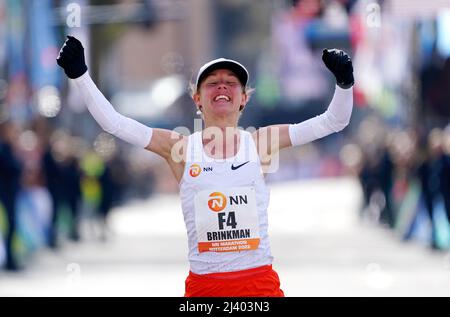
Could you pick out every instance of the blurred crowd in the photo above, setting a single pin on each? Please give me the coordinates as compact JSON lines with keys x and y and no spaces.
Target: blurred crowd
{"x":398,"y":141}
{"x":405,"y":180}
{"x":51,"y":183}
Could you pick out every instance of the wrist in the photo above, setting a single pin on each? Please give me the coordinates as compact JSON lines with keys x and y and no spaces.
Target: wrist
{"x":76,"y":71}
{"x":83,"y":77}
{"x":339,"y":90}
{"x":345,"y":85}
{"x":345,"y":81}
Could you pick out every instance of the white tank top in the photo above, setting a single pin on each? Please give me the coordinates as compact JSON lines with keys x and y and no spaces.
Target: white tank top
{"x":224,"y":204}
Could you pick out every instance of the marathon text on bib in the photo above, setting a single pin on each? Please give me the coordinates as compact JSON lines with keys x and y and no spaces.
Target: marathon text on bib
{"x":226,"y":220}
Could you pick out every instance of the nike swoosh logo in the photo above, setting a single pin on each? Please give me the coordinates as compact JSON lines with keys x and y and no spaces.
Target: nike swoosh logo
{"x":236,"y":167}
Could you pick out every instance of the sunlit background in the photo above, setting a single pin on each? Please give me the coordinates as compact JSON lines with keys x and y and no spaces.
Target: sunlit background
{"x":364,"y":212}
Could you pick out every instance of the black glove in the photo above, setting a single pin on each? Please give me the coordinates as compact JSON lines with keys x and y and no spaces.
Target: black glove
{"x":340,"y":64}
{"x":71,"y":58}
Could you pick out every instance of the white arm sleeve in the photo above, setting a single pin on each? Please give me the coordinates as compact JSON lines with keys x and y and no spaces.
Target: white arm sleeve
{"x":334,"y":119}
{"x":109,"y":119}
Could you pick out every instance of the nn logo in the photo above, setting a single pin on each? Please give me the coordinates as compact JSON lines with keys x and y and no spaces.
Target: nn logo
{"x":218,"y":201}
{"x":194,"y":170}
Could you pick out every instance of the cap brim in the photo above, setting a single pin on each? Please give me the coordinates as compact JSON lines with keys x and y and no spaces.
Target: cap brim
{"x":240,"y":72}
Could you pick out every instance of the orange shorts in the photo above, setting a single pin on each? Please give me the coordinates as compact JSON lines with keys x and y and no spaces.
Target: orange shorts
{"x":262,"y":281}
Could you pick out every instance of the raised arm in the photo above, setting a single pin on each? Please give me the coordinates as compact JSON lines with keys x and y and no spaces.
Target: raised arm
{"x":71,"y":59}
{"x":334,"y":119}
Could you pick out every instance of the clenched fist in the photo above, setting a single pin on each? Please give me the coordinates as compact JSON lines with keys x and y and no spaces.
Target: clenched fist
{"x":71,"y":58}
{"x":340,"y":64}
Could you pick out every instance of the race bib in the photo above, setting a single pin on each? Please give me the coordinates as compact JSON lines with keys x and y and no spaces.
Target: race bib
{"x":227,"y":220}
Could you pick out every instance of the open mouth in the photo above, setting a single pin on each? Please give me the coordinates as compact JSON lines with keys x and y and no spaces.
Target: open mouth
{"x":222,"y":97}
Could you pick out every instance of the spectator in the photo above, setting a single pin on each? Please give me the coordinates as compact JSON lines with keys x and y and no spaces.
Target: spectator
{"x":10,"y":175}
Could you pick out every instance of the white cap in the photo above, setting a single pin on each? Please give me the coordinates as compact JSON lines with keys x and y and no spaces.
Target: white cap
{"x":237,"y":68}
